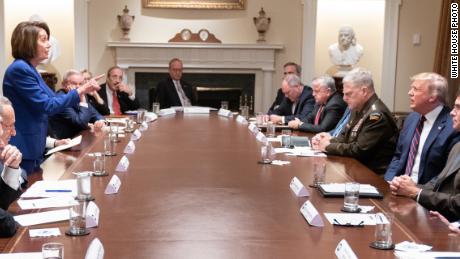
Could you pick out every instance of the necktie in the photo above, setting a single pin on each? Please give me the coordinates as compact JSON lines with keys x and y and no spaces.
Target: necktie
{"x":343,"y":121}
{"x":318,"y":114}
{"x":115,"y":103}
{"x":183,"y":98}
{"x":414,"y":146}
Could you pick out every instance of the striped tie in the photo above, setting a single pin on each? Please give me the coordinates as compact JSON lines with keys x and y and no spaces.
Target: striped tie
{"x":414,"y":146}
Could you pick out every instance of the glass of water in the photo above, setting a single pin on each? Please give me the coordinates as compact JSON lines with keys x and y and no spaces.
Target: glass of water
{"x":53,"y":251}
{"x":77,"y":220}
{"x":224,"y":105}
{"x":351,"y":197}
{"x":383,"y":231}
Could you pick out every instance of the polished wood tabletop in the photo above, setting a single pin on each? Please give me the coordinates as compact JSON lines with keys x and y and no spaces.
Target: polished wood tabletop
{"x":194,"y":189}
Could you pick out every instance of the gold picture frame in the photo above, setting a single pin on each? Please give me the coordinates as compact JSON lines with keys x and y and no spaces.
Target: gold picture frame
{"x":196,"y":4}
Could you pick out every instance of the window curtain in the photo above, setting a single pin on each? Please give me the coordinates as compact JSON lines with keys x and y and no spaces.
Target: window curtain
{"x":442,"y":55}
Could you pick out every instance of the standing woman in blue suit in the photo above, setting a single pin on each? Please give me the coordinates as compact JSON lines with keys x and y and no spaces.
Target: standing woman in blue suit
{"x":33,"y":101}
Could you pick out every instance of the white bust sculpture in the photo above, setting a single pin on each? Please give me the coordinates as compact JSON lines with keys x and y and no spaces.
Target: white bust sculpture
{"x":346,"y":52}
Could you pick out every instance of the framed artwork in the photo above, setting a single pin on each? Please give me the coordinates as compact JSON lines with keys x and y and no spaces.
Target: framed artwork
{"x":196,"y":4}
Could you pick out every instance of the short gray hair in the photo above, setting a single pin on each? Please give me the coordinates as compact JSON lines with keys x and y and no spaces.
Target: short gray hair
{"x":68,"y":74}
{"x":437,"y":84}
{"x":293,"y":80}
{"x":325,"y":81}
{"x":4,"y":101}
{"x":359,"y":77}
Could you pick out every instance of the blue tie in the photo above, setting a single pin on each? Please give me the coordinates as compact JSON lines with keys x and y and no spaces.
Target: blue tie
{"x":343,"y":121}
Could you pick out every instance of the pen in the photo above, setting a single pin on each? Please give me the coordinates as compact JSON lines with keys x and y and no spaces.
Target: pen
{"x":58,"y":190}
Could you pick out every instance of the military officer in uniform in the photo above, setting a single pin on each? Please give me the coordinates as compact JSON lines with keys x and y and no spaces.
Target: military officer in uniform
{"x":371,"y":134}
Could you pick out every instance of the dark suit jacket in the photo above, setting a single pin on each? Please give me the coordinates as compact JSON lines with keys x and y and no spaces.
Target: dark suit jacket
{"x":7,"y":196}
{"x":72,"y":120}
{"x":126,"y":104}
{"x":303,"y":109}
{"x":33,"y":101}
{"x":443,"y":194}
{"x":278,"y":99}
{"x":331,"y":114}
{"x":167,"y":95}
{"x":435,"y":150}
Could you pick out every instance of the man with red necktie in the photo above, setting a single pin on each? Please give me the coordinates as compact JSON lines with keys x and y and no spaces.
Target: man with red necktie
{"x":118,"y":97}
{"x":329,"y":107}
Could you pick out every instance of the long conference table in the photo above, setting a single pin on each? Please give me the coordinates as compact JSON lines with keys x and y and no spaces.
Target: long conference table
{"x":194,"y":189}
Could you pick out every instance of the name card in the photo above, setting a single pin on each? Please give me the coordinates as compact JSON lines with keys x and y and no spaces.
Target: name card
{"x":310,"y":213}
{"x":136,"y":135}
{"x":225,"y":113}
{"x":144,"y":126}
{"x":168,"y":111}
{"x":298,"y":188}
{"x":130,"y":147}
{"x":253,"y":128}
{"x":122,"y":165}
{"x":344,"y":251}
{"x":196,"y":110}
{"x":113,"y":185}
{"x":95,"y":250}
{"x":92,"y":215}
{"x":241,"y":119}
{"x":261,"y":137}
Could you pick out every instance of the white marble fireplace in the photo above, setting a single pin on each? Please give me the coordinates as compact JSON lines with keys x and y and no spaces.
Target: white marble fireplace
{"x":257,"y":59}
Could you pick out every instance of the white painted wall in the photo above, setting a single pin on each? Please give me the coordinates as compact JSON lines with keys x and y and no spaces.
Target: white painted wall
{"x":230,"y":26}
{"x":367,"y":19}
{"x":59,"y":16}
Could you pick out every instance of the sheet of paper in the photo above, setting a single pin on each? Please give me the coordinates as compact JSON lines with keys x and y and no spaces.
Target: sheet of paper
{"x":44,"y":232}
{"x":35,"y":255}
{"x":426,"y":255}
{"x":42,"y":217}
{"x":407,"y":246}
{"x":280,"y":162}
{"x":340,"y":187}
{"x":51,"y":188}
{"x":53,"y":202}
{"x":73,"y":142}
{"x":352,"y":218}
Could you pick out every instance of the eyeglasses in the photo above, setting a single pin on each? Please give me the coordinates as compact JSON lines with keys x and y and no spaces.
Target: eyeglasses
{"x":288,"y":73}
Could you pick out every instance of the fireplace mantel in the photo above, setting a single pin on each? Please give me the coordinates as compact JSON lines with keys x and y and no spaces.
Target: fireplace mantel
{"x":258,"y":59}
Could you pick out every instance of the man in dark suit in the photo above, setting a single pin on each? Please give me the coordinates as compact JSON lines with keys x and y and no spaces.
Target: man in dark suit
{"x":118,"y":97}
{"x":173,"y":91}
{"x":78,"y":117}
{"x":329,"y":107}
{"x":442,"y":193}
{"x":12,"y":176}
{"x":289,"y":68}
{"x":422,"y":154}
{"x":299,"y":101}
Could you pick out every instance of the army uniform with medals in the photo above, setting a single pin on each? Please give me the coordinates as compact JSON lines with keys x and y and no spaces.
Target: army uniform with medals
{"x":370,"y":136}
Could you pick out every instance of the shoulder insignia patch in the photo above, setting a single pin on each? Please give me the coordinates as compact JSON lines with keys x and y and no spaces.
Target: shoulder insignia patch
{"x":375,"y":116}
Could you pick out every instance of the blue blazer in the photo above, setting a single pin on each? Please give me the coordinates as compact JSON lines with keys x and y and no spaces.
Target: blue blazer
{"x":438,"y":144}
{"x":304,"y":106}
{"x":72,"y":120}
{"x":33,"y":101}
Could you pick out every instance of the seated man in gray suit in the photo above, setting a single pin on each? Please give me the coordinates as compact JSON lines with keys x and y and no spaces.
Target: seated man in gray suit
{"x":11,"y":176}
{"x":329,"y":107}
{"x":442,"y":193}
